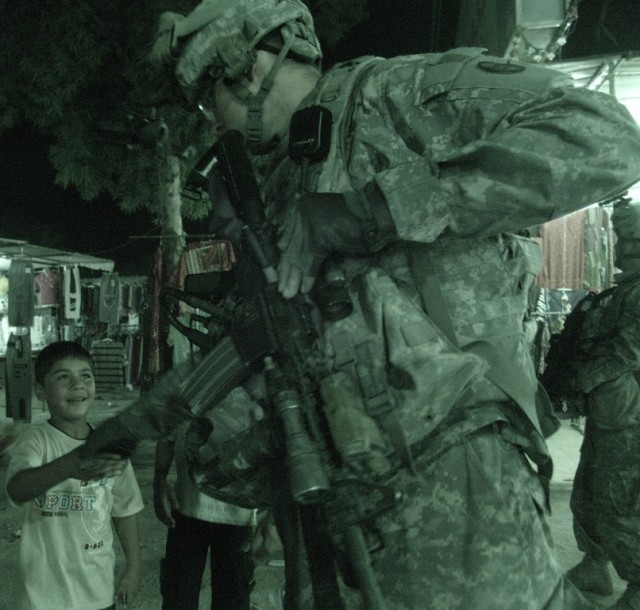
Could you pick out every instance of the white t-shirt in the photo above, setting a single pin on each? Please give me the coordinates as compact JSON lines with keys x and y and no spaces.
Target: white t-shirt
{"x":67,"y":557}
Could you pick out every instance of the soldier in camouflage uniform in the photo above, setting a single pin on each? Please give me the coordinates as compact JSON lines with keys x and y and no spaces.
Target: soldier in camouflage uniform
{"x":606,"y":491}
{"x":435,"y":163}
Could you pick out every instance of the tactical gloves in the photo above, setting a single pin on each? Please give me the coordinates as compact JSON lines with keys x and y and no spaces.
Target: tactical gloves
{"x":325,"y":223}
{"x":153,"y":416}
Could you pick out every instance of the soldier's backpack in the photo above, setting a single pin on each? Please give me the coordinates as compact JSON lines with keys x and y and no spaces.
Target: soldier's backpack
{"x":570,"y":346}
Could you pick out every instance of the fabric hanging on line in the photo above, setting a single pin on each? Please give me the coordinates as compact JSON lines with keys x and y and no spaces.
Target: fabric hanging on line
{"x":563,"y":246}
{"x":110,"y":296}
{"x":72,"y":292}
{"x":21,"y":305}
{"x":599,"y":243}
{"x":137,"y":297}
{"x":47,"y":285}
{"x":202,"y":257}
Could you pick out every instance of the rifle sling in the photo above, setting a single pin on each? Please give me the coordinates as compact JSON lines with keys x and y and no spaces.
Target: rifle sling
{"x":358,"y":363}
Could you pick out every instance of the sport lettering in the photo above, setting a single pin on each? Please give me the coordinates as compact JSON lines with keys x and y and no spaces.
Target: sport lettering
{"x":49,"y":502}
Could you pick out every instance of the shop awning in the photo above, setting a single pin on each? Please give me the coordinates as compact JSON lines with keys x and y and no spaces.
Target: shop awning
{"x":43,"y":256}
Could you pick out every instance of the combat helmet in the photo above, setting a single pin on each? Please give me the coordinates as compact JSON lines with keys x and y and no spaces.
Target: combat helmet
{"x":219,"y":39}
{"x":626,"y":225}
{"x":626,"y":219}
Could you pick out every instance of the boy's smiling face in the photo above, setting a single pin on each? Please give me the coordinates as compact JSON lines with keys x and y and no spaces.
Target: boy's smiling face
{"x":69,"y":389}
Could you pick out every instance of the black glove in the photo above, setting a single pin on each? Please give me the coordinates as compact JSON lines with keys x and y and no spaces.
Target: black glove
{"x":153,"y":416}
{"x":346,"y":223}
{"x":110,"y":437}
{"x":224,"y":222}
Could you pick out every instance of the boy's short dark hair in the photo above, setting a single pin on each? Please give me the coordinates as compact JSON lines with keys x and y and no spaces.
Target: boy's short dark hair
{"x":57,"y":351}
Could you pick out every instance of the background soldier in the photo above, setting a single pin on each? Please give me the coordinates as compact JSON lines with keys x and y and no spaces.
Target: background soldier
{"x":605,"y":500}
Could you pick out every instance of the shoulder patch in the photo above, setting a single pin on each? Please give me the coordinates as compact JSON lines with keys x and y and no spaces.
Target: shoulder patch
{"x":500,"y":68}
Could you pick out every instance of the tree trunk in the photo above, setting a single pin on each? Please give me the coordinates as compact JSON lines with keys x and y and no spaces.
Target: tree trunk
{"x":172,"y":245}
{"x":170,"y":213}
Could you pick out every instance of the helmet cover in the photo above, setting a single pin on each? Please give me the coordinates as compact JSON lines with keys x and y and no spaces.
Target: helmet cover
{"x":219,"y":37}
{"x":626,"y":219}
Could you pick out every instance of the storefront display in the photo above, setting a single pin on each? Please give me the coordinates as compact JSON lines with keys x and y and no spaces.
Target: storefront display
{"x":48,"y":295}
{"x":111,"y":321}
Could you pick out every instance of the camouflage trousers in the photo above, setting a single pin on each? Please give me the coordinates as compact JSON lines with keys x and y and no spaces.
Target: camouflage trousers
{"x":470,"y":533}
{"x":605,"y":500}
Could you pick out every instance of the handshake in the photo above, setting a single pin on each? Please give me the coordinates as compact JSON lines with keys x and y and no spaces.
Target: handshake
{"x":151,"y":417}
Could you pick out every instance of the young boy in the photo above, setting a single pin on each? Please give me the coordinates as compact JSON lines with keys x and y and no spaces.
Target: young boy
{"x":67,"y":555}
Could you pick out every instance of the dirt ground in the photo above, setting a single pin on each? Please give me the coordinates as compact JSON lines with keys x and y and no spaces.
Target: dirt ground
{"x":152,"y":532}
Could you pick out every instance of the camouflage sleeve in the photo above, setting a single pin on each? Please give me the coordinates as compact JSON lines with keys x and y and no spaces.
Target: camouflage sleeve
{"x":547,"y":157}
{"x":153,"y":416}
{"x":618,"y":354}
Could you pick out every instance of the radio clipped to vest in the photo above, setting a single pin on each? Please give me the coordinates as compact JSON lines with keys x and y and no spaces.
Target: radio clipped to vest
{"x":310,"y":142}
{"x":310,"y":135}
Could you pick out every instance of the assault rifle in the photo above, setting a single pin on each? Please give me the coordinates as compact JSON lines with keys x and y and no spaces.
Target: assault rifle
{"x":253,"y":328}
{"x":256,"y":328}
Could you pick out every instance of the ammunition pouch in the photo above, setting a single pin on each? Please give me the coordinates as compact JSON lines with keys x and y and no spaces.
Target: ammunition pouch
{"x":355,"y":434}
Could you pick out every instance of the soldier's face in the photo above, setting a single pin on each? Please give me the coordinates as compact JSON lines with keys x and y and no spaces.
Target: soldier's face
{"x":276,"y":108}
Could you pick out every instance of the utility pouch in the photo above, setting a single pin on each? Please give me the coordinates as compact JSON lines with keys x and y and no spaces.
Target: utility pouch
{"x":355,"y":434}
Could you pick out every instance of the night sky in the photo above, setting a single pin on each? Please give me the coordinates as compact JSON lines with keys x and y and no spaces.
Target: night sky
{"x":34,"y":209}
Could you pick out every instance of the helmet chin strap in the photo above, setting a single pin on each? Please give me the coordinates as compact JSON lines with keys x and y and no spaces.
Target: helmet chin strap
{"x":255,"y":102}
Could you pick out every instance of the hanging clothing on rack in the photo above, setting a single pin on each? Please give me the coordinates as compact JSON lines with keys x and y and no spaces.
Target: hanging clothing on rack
{"x":46,"y":285}
{"x":72,"y":292}
{"x":563,"y":252}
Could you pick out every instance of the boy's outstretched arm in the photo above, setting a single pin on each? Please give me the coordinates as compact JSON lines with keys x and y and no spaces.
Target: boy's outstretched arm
{"x":127,"y":532}
{"x":32,"y":482}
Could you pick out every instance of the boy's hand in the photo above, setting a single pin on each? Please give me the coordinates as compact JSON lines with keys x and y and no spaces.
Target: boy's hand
{"x":127,"y":586}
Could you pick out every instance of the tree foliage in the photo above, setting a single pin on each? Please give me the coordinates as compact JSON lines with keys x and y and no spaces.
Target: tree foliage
{"x":78,"y":65}
{"x":334,"y":19}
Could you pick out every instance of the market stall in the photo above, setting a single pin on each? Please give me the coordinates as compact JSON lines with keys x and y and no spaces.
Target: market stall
{"x":48,"y":295}
{"x":42,"y":291}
